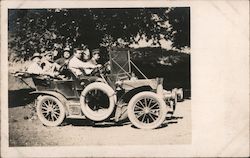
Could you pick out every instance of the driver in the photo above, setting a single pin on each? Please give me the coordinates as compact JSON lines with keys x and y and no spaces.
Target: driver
{"x":77,"y":66}
{"x":95,"y":56}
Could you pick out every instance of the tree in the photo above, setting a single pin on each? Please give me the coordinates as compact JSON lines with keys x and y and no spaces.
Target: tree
{"x":40,"y":29}
{"x":179,"y":20}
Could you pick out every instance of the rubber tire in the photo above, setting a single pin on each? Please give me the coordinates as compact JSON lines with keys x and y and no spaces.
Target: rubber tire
{"x":42,"y":118}
{"x":133,"y":118}
{"x":112,"y":100}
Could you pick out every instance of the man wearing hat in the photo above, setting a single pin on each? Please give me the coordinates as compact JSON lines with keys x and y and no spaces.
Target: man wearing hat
{"x":95,"y":56}
{"x":35,"y":67}
{"x":49,"y":66}
{"x":65,"y":57}
{"x":95,"y":53}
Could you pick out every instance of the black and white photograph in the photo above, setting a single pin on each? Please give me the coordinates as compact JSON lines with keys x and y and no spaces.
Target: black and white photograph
{"x":124,"y":78}
{"x":99,"y":76}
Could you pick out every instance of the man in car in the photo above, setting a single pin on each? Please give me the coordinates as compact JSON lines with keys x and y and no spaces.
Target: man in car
{"x":77,"y":66}
{"x":35,"y":66}
{"x":65,"y":58}
{"x":63,"y":62}
{"x":49,"y":66}
{"x":95,"y":56}
{"x":86,"y":54}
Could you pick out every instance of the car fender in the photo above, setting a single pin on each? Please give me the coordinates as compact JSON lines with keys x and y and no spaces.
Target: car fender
{"x":54,"y":94}
{"x":130,"y":93}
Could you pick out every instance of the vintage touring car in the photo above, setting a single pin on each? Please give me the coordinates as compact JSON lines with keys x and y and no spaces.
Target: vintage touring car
{"x":112,"y":96}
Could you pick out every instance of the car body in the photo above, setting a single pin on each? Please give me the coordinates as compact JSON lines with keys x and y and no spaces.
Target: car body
{"x":112,"y":96}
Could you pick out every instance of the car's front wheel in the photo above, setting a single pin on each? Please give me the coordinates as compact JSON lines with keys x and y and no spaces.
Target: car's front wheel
{"x":50,"y":110}
{"x":146,"y":110}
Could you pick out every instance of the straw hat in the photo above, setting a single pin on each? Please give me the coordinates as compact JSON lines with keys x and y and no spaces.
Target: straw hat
{"x":36,"y":55}
{"x":47,"y":53}
{"x":66,"y":49}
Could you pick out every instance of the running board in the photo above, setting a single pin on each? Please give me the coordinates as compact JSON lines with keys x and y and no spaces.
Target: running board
{"x":76,"y":117}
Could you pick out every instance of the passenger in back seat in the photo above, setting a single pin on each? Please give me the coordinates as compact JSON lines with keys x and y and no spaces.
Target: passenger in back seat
{"x":35,"y":66}
{"x":49,"y":66}
{"x":64,"y":60}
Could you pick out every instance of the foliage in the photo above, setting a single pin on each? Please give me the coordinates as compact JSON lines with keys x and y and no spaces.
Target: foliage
{"x":173,"y":66}
{"x":37,"y":30}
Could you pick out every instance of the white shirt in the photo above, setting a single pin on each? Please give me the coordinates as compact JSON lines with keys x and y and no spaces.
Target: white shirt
{"x":77,"y":66}
{"x":50,"y":67}
{"x":34,"y":68}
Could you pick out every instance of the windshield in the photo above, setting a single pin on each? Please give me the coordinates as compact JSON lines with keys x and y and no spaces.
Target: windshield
{"x":120,"y":61}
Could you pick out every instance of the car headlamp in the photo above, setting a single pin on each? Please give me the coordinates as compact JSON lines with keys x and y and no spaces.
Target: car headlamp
{"x":118,"y":85}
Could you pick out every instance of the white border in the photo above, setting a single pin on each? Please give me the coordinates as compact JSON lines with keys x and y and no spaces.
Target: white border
{"x":94,"y":4}
{"x":220,"y":64}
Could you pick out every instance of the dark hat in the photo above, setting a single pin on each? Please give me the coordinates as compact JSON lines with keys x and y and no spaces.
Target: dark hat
{"x":36,"y":55}
{"x":95,"y":51}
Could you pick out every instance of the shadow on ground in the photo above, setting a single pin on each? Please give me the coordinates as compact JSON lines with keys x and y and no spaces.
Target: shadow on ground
{"x":103,"y":124}
{"x":106,"y":124}
{"x":20,"y":97}
{"x":170,"y":120}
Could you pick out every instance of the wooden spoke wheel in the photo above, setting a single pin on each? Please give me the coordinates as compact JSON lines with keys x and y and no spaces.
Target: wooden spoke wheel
{"x":50,"y":111}
{"x":147,"y":110}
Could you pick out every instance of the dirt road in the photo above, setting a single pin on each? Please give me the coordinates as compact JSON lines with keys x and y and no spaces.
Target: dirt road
{"x":23,"y":132}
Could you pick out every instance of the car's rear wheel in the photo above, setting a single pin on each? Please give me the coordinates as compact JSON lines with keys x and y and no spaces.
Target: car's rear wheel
{"x":50,"y":110}
{"x":98,"y":101}
{"x":146,"y":110}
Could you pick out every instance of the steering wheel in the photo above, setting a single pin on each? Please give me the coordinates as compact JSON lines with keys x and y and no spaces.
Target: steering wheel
{"x":96,"y":71}
{"x":99,"y":70}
